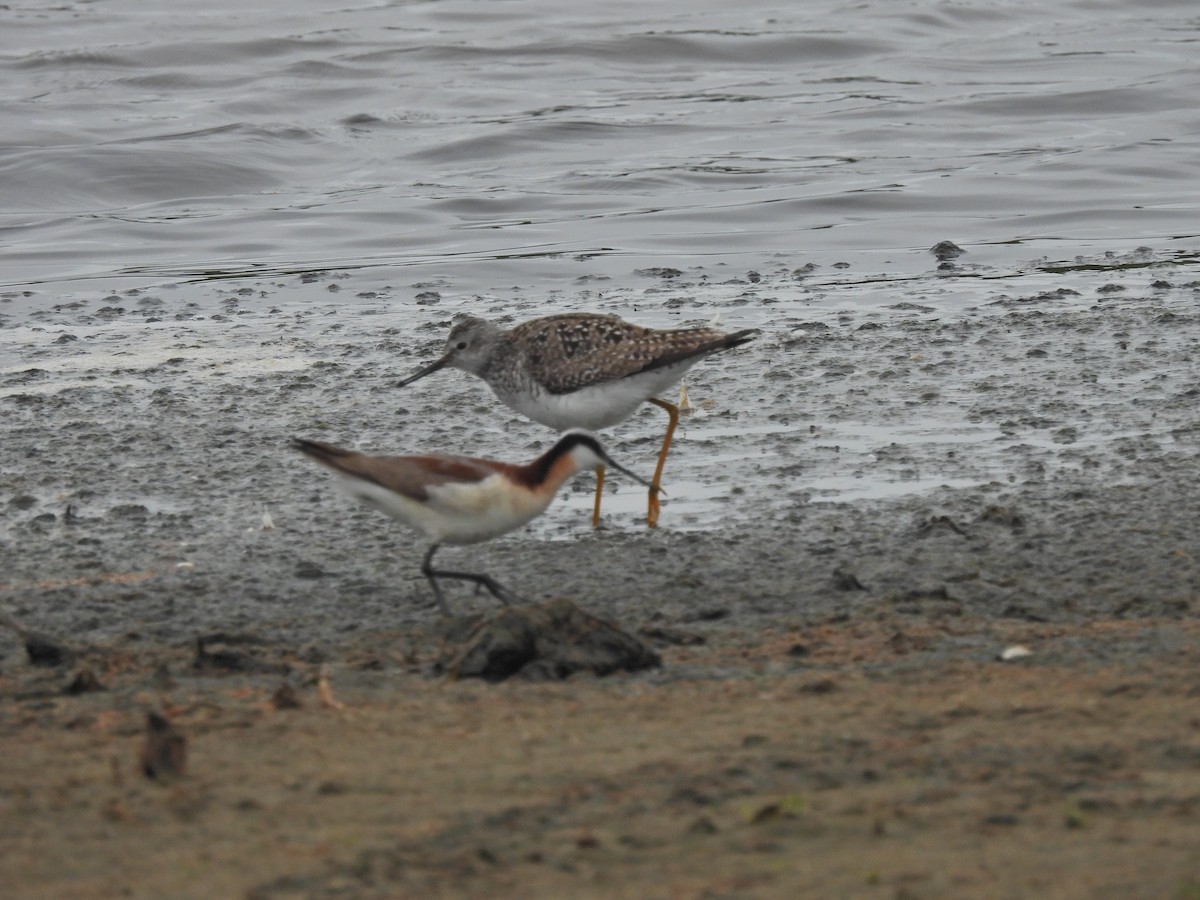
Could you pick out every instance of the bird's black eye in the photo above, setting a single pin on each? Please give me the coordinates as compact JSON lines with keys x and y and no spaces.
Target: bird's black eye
{"x":461,"y":345}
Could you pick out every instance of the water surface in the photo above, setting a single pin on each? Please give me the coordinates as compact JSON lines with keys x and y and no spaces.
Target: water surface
{"x":523,"y":143}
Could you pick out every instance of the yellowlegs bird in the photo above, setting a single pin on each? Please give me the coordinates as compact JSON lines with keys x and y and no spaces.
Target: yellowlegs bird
{"x":582,"y":370}
{"x":458,"y":499}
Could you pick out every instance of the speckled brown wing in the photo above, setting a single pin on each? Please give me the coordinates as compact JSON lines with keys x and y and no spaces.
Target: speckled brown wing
{"x":408,"y":476}
{"x":569,"y":352}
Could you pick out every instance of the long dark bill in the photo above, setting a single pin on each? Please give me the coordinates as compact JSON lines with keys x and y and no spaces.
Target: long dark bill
{"x":608,"y":461}
{"x":428,"y":370}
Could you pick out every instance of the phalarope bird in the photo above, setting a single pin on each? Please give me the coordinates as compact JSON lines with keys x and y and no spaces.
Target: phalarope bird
{"x":458,"y":499}
{"x":582,"y":370}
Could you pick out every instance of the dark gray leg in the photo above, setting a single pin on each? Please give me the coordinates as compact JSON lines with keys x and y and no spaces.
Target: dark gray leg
{"x":499,"y":591}
{"x":428,"y":573}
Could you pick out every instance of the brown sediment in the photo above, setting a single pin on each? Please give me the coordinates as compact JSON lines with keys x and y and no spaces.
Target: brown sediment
{"x":841,"y":760}
{"x":873,"y":509}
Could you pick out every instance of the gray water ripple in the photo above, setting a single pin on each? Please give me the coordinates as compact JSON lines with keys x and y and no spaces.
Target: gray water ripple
{"x":300,"y":134}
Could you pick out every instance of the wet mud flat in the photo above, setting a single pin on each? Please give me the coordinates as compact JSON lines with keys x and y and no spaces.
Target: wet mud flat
{"x":889,"y":756}
{"x":831,"y":715}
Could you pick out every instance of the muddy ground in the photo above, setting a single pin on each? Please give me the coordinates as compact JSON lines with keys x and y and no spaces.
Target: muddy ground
{"x":867,"y":507}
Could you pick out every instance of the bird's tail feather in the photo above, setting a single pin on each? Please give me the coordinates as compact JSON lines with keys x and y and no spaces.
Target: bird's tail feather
{"x":326,"y":454}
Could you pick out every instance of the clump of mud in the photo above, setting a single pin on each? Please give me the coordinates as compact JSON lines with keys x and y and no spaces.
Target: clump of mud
{"x":553,"y":640}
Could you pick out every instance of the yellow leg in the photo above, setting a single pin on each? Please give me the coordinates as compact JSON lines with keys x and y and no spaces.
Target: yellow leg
{"x":673,"y":413}
{"x":599,"y":489}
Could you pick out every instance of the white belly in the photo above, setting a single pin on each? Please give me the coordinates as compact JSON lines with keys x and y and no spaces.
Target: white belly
{"x":599,"y":406}
{"x":458,"y":513}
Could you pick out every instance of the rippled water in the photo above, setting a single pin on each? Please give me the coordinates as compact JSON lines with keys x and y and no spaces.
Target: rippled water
{"x":491,"y":143}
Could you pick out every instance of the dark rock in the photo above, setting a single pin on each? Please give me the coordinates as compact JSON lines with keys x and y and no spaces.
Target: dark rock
{"x":164,"y":754}
{"x":45,"y":651}
{"x":84,"y":682}
{"x":306,"y":569}
{"x":846,"y":581}
{"x":944,"y":250}
{"x":552,"y":640}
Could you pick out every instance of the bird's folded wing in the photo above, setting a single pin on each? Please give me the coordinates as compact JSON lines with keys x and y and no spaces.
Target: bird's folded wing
{"x":562,"y":365}
{"x":412,"y":476}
